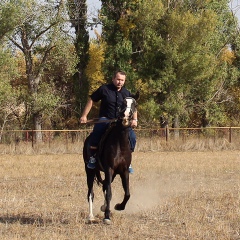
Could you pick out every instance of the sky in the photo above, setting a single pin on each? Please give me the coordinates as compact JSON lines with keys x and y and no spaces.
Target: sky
{"x":93,"y":6}
{"x":235,"y":7}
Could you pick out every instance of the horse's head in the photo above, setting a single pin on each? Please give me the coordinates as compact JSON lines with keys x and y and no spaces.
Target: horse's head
{"x":128,"y":108}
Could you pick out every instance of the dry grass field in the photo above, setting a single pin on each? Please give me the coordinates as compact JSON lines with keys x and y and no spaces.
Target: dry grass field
{"x":174,"y":195}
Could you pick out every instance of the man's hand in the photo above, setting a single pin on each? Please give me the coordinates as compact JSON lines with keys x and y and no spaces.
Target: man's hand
{"x":134,"y":123}
{"x":83,"y":119}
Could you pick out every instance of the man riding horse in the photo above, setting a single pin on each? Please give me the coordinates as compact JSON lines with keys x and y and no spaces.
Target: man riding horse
{"x":111,"y":96}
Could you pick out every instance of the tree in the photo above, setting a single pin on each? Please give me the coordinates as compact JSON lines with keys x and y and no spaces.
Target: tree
{"x":10,"y":16}
{"x":41,"y":30}
{"x":78,"y":11}
{"x":179,"y":60}
{"x":94,"y":67}
{"x":116,"y":27}
{"x":11,"y":108}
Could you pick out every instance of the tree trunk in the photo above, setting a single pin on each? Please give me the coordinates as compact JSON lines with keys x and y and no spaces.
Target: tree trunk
{"x":164,"y":125}
{"x":37,"y":119}
{"x":204,"y":119}
{"x":33,"y":82}
{"x":175,"y":124}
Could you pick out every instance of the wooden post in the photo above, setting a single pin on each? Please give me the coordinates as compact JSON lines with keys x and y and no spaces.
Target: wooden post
{"x":32,"y":138}
{"x":167,"y":133}
{"x":15,"y":142}
{"x":49,"y":136}
{"x":230,"y":135}
{"x":67,"y":141}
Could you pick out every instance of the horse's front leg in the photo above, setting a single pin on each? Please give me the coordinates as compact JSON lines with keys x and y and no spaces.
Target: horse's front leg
{"x":103,"y":207}
{"x":90,"y":196}
{"x":108,"y":195}
{"x":125,"y":184}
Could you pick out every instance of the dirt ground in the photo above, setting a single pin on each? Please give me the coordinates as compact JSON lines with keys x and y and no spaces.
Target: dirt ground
{"x":174,"y":195}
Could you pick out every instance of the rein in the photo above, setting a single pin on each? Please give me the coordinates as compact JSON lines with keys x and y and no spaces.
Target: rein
{"x":96,"y":120}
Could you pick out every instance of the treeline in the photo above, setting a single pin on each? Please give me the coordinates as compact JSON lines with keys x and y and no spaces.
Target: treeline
{"x":183,"y":57}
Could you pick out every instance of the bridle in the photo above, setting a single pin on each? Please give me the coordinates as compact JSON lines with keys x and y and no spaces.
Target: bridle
{"x":126,"y":113}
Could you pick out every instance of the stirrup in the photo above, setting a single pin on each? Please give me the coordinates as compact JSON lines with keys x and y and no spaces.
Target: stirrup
{"x":130,"y":169}
{"x":91,"y":163}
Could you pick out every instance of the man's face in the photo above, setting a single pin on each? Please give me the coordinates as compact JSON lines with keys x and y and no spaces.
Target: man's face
{"x":119,"y":80}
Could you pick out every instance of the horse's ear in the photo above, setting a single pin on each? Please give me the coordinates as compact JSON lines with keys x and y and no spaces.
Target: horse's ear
{"x":136,"y":96}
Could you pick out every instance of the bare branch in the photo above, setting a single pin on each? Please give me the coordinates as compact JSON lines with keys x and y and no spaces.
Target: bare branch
{"x":41,"y":33}
{"x":15,"y":43}
{"x":44,"y":59}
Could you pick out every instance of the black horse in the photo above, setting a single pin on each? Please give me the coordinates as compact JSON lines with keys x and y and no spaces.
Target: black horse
{"x":114,"y":157}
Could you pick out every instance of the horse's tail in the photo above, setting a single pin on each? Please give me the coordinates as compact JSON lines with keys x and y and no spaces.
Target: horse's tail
{"x":99,"y":178}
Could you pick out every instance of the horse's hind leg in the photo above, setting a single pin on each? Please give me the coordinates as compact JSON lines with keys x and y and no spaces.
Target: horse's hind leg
{"x":90,"y":195}
{"x":125,"y":184}
{"x":90,"y":204}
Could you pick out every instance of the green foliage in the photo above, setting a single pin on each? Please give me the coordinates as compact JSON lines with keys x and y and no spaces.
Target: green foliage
{"x":50,"y":60}
{"x":45,"y":101}
{"x":10,"y":15}
{"x":11,"y":107}
{"x":117,"y":23}
{"x":77,"y":11}
{"x":183,"y":56}
{"x":179,"y":56}
{"x":6,"y":94}
{"x":148,"y":111}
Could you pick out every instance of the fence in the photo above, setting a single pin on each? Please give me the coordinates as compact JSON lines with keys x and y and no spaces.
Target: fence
{"x":154,"y":139}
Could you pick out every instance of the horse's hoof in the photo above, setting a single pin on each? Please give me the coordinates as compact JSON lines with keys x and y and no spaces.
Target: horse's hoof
{"x":90,"y":219}
{"x":103,"y":208}
{"x":119,"y":207}
{"x":107,"y":221}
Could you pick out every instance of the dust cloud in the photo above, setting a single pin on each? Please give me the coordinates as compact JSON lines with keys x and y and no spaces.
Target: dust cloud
{"x":158,"y":190}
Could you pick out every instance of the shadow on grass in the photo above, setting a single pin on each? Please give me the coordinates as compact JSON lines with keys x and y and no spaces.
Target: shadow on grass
{"x":26,"y":220}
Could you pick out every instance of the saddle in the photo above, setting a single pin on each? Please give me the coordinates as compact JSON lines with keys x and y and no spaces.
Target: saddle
{"x":101,"y":145}
{"x":102,"y":141}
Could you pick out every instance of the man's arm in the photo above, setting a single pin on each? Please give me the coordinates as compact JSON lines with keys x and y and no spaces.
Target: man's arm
{"x":86,"y":110}
{"x":135,"y":120}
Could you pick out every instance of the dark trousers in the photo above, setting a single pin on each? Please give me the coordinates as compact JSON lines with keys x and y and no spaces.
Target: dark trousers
{"x":100,"y":128}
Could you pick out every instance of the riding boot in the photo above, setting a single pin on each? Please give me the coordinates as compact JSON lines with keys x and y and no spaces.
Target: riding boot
{"x":130,"y":169}
{"x":92,"y":160}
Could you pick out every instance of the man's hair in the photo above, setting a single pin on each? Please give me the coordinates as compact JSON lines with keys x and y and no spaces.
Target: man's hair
{"x":120,"y":72}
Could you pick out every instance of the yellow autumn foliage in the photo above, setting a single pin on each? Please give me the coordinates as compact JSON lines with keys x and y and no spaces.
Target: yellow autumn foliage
{"x":142,"y":86}
{"x":235,"y":92}
{"x":126,"y":25}
{"x":20,"y":58}
{"x":21,"y":63}
{"x":227,"y":55}
{"x":94,"y":67}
